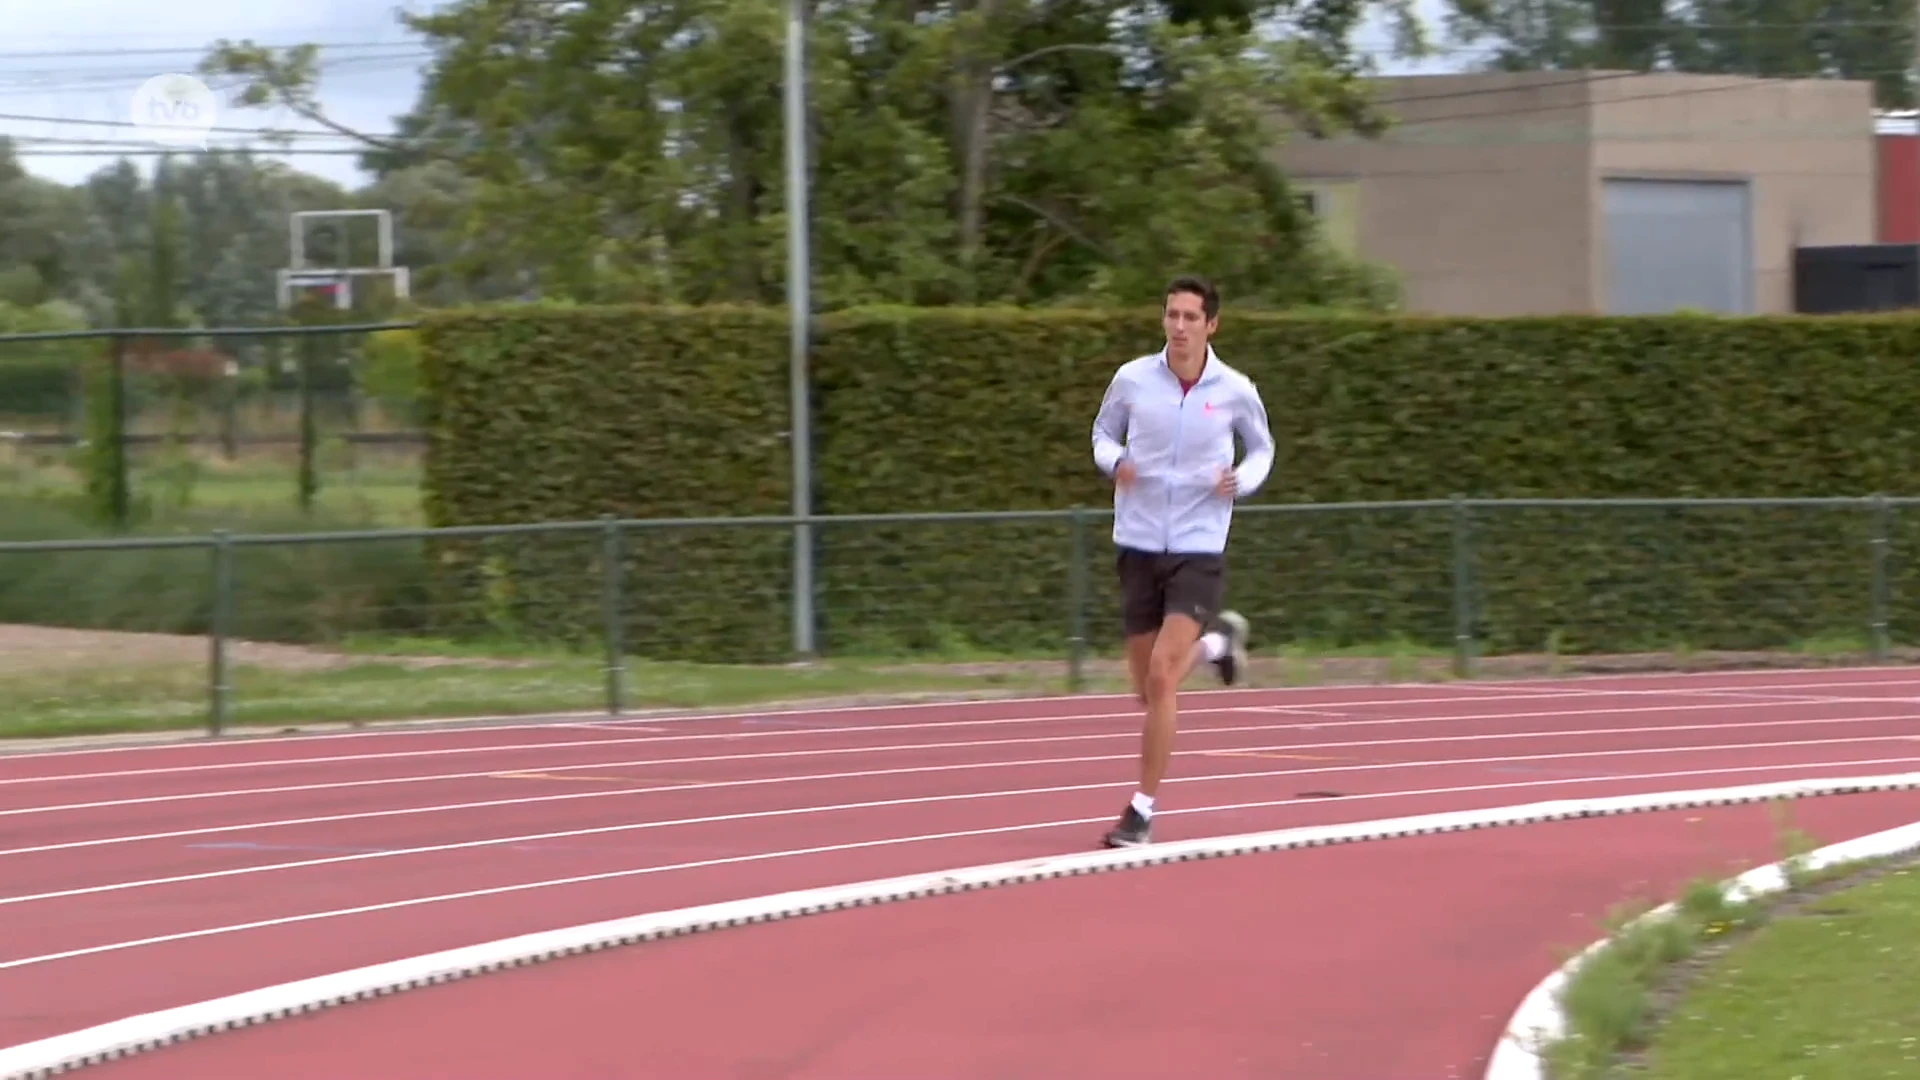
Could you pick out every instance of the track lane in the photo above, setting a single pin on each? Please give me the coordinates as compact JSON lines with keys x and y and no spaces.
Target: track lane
{"x":1225,"y":968}
{"x":66,"y":858}
{"x":775,"y":759}
{"x":1406,"y":758}
{"x":302,"y":935}
{"x":264,"y":754}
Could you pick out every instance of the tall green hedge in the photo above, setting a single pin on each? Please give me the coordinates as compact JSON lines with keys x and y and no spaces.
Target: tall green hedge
{"x":542,"y":414}
{"x":570,"y":414}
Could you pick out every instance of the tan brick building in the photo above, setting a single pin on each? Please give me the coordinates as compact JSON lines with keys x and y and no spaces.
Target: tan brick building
{"x":1544,"y":192}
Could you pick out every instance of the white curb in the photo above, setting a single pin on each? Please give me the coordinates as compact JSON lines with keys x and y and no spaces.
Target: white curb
{"x":1539,"y":1019}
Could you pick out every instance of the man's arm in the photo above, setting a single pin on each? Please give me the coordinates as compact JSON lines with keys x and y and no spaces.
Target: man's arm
{"x":1110,"y":427}
{"x":1250,"y":420}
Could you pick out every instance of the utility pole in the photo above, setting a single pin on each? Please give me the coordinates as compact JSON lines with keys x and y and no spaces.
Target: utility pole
{"x":799,"y":309}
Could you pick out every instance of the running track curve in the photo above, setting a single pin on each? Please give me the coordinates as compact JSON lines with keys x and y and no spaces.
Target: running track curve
{"x":141,"y":878}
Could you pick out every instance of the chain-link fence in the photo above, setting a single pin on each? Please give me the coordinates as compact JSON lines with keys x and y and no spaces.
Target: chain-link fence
{"x":604,"y":616}
{"x":139,"y":424}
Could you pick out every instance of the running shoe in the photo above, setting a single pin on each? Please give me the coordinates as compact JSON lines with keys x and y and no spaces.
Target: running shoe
{"x":1133,"y":830}
{"x":1232,"y":664}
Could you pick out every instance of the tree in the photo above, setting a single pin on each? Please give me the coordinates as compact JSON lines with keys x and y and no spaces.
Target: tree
{"x":35,"y":216}
{"x":1852,"y":39}
{"x":965,"y":151}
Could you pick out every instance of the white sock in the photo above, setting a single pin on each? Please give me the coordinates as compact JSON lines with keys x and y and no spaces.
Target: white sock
{"x":1214,"y":645}
{"x":1143,"y":804}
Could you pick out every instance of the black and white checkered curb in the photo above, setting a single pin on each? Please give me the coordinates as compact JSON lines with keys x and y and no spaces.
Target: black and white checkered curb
{"x":1539,"y":1019}
{"x":133,"y":1035}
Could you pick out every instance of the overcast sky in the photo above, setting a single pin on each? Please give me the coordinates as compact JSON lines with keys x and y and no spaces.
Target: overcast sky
{"x":82,"y":60}
{"x":69,"y":69}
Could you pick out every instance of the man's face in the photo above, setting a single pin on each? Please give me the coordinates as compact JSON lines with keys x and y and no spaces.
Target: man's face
{"x":1186,"y":323}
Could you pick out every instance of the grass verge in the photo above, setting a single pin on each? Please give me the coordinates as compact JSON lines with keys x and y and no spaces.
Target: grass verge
{"x":1826,"y":992}
{"x":63,"y":681}
{"x":1817,"y":979}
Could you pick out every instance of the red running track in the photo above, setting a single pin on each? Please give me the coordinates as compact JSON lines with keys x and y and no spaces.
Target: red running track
{"x":146,"y":877}
{"x":1398,"y":959}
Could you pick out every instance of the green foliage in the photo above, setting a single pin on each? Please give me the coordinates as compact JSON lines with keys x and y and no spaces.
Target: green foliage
{"x":568,"y":413}
{"x":37,"y":377}
{"x":104,"y":461}
{"x":985,"y":151}
{"x":389,"y":369}
{"x":1607,"y":1001}
{"x":291,"y":593}
{"x":649,"y":413}
{"x":1781,"y":39}
{"x":42,"y":382}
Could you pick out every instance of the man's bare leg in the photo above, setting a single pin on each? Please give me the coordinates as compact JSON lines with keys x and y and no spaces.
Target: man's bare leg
{"x":1139,"y":657}
{"x":1181,"y":644}
{"x":1175,"y":650}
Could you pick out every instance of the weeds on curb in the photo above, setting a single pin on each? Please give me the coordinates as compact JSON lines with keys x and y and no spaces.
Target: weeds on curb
{"x":1609,"y":1004}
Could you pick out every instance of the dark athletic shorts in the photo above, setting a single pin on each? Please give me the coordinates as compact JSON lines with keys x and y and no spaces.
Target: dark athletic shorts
{"x":1155,"y":584}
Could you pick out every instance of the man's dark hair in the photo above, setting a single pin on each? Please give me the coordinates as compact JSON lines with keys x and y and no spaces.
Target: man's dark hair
{"x":1200,"y":287}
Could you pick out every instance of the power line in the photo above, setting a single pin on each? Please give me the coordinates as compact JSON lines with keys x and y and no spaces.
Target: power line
{"x":261,"y":151}
{"x":69,"y":141}
{"x":1737,"y":82}
{"x":79,"y":54}
{"x":123,"y":124}
{"x":41,"y":83}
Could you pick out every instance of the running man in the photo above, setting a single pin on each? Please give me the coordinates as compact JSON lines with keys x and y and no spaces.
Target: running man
{"x":1164,"y":433}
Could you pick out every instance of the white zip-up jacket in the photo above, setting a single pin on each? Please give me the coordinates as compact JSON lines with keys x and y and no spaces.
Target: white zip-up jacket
{"x":1178,"y":443}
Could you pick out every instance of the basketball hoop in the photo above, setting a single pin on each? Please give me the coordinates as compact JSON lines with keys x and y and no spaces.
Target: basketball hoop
{"x":340,"y":279}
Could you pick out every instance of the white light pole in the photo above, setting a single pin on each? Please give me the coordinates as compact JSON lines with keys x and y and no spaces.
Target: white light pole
{"x":798,"y":311}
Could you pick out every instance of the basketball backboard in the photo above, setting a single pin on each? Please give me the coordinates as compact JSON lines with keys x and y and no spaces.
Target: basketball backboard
{"x":302,"y":274}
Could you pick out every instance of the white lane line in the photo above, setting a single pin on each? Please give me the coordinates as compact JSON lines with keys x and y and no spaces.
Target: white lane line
{"x":690,"y":785}
{"x":1278,"y":750}
{"x":1192,"y":733}
{"x":593,"y":743}
{"x":1776,"y":698}
{"x":1905,"y":674}
{"x":1464,"y":692}
{"x":1502,"y":688}
{"x":134,"y":1034}
{"x":768,"y":733}
{"x":480,"y":725}
{"x":808,"y":809}
{"x":823,"y":849}
{"x":1712,"y":706}
{"x":1784,"y":693}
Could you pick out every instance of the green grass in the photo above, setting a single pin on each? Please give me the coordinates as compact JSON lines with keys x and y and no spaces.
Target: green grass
{"x":202,"y":489}
{"x":1801,"y":984}
{"x":364,"y":676}
{"x":380,"y":499}
{"x":1607,"y":1004}
{"x":1828,"y":992}
{"x":175,"y":696}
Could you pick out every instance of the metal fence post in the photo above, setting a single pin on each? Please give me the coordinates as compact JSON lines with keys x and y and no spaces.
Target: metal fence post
{"x":1077,"y":601}
{"x":1882,"y":541}
{"x":611,"y":606}
{"x":119,"y":488}
{"x":221,"y":628}
{"x":1462,"y":590}
{"x":309,"y":479}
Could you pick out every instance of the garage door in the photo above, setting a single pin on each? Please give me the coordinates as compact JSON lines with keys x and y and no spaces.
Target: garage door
{"x":1679,"y":244}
